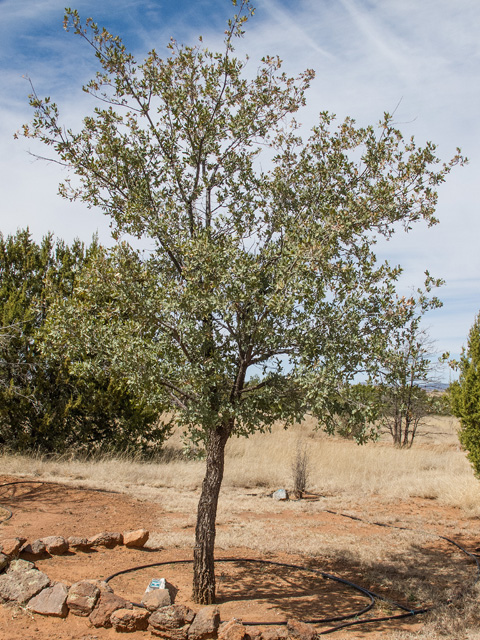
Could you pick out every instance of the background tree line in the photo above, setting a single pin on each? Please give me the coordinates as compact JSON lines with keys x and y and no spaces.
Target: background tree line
{"x":44,"y":405}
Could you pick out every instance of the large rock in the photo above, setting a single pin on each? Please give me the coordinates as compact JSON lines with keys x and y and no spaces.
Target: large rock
{"x":232,"y":630}
{"x":300,"y":630}
{"x":129,"y":619}
{"x":20,"y":565}
{"x":36,"y":548}
{"x":157,"y":598}
{"x":79,"y":544}
{"x":82,"y":597}
{"x":162,"y":583}
{"x":274,"y":633}
{"x":205,"y":624}
{"x":107,"y":603}
{"x":254,"y":633}
{"x":55,"y":545}
{"x":107,"y":539}
{"x":21,"y":582}
{"x":11,"y":546}
{"x":103,"y":586}
{"x":171,"y":622}
{"x":51,"y":601}
{"x":3,"y":562}
{"x":280,"y":494}
{"x":135,"y":538}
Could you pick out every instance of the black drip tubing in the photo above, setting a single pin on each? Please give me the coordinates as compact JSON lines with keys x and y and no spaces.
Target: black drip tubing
{"x":345,"y":619}
{"x":372,"y":597}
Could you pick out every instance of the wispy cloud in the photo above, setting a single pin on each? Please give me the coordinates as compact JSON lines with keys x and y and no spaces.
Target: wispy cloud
{"x":368,"y":55}
{"x":378,"y":38}
{"x":285,"y":21}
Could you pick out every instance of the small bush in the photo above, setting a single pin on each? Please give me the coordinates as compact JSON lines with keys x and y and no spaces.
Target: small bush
{"x":300,"y":469}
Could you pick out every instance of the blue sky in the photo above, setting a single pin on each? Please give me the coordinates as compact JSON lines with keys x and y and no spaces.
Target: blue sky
{"x":370,"y":56}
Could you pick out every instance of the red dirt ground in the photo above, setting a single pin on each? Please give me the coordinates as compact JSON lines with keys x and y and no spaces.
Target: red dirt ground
{"x":249,"y":591}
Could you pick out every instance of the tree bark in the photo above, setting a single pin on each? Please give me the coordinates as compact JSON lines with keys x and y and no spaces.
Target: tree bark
{"x":203,"y":555}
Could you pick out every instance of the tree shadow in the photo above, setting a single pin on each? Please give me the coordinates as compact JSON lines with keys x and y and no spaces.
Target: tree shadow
{"x":421,"y":576}
{"x":285,"y":591}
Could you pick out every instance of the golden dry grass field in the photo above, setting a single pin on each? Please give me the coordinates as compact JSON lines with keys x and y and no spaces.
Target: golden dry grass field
{"x":425,"y":494}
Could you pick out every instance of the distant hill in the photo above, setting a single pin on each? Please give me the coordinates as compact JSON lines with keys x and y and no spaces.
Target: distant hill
{"x":437,"y":386}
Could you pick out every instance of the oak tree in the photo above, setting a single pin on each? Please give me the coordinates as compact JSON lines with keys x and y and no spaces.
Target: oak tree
{"x":261,"y":292}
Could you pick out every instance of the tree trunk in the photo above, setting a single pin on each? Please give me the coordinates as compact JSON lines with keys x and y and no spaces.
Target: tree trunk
{"x":203,"y":555}
{"x":397,"y":431}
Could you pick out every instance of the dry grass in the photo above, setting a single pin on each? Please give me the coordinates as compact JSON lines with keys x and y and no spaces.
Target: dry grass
{"x":458,"y":620}
{"x":435,"y":468}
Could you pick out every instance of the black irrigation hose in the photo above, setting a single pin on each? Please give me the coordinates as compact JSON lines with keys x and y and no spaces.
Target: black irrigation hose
{"x":394,"y":526}
{"x":468,"y":553}
{"x":9,"y":514}
{"x":345,"y":619}
{"x":324,"y":575}
{"x":373,"y":597}
{"x":369,"y":594}
{"x":8,"y":484}
{"x":413,"y":612}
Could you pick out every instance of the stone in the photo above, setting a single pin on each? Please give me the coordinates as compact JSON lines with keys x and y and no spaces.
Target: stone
{"x":135,"y":538}
{"x":129,"y":619}
{"x":55,"y":545}
{"x":3,"y":562}
{"x":107,"y":603}
{"x":51,"y":601}
{"x":275,"y":633}
{"x":254,"y":632}
{"x":79,"y":544}
{"x":300,"y":630}
{"x":162,"y":583}
{"x":11,"y":546}
{"x":103,"y":586}
{"x":280,"y":494}
{"x":35,"y":548}
{"x":205,"y":625}
{"x":232,"y":630}
{"x":156,"y":598}
{"x":82,"y":598}
{"x":20,"y":565}
{"x":107,"y":539}
{"x":171,"y":622}
{"x":21,"y":582}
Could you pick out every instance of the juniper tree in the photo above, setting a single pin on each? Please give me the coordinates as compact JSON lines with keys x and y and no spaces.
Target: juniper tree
{"x":43,"y":405}
{"x":465,"y":396}
{"x":261,"y":293}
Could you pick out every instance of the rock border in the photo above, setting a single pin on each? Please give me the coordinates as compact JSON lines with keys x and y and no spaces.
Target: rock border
{"x":21,"y":583}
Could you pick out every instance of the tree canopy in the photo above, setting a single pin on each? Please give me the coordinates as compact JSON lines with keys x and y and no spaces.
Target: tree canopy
{"x":262,"y":292}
